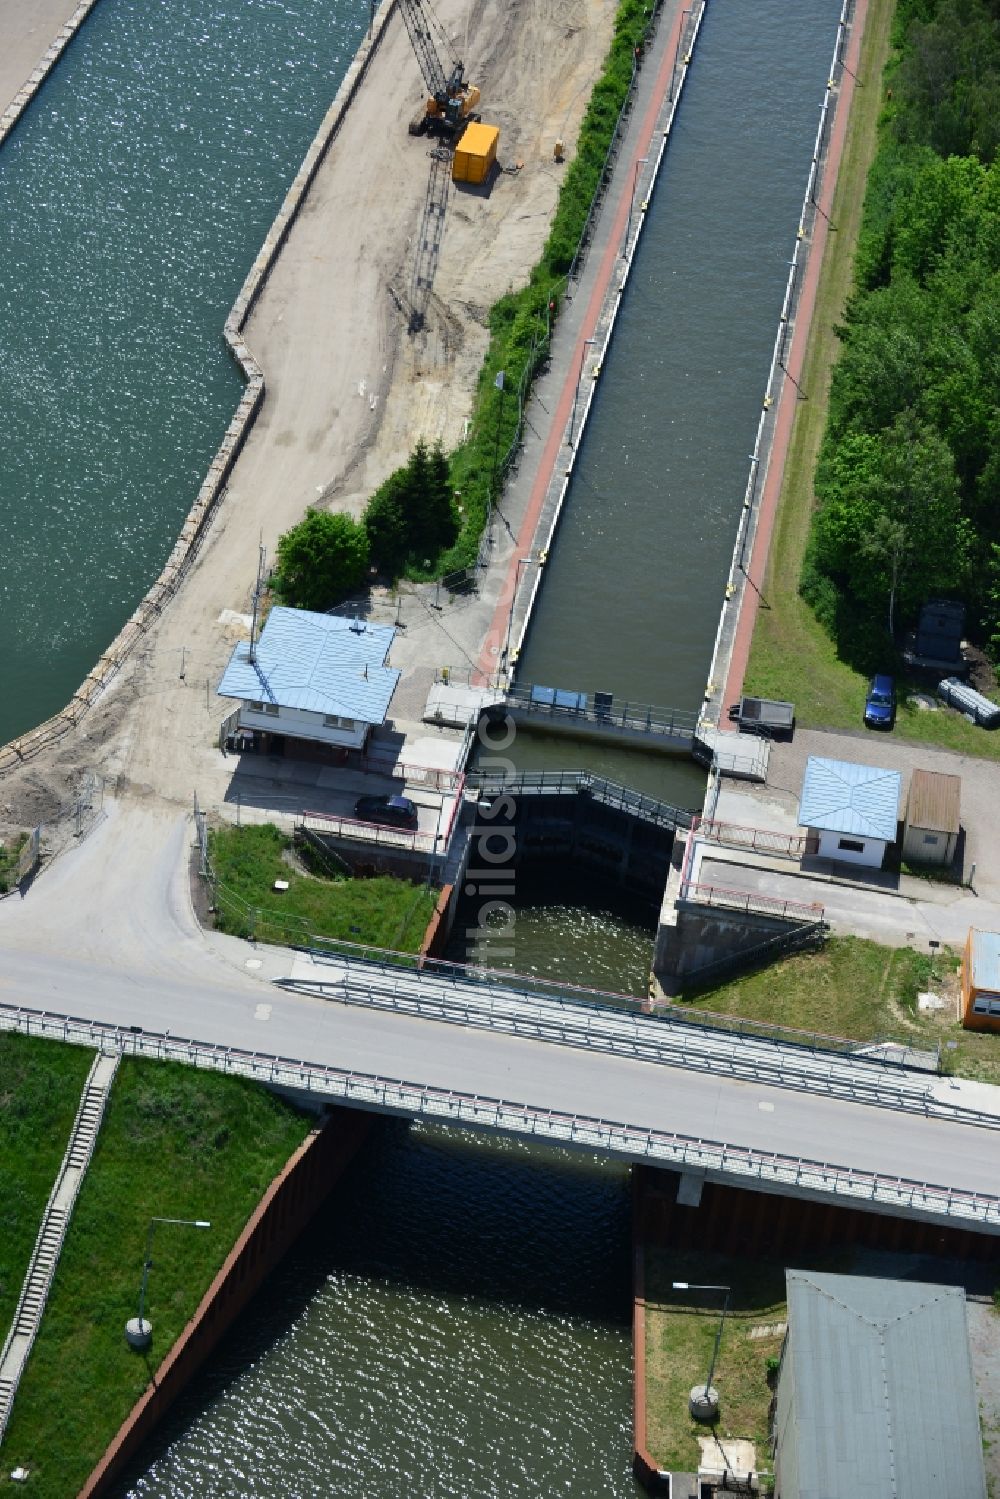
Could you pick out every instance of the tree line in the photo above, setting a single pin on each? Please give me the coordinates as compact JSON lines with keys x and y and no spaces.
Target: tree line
{"x":407,"y":522}
{"x":909,"y":469}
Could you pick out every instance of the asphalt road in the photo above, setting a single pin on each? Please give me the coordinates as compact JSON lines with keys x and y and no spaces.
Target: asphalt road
{"x":108,"y":933}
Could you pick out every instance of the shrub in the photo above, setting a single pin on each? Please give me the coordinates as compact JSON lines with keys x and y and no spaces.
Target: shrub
{"x":321,"y":560}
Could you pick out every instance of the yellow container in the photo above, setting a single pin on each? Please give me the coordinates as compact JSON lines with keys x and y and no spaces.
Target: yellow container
{"x":475,"y":154}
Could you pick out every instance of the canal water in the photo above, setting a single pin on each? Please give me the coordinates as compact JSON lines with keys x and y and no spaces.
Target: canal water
{"x":632,"y":593}
{"x":134,"y":196}
{"x":455,"y":1324}
{"x":634,"y":587}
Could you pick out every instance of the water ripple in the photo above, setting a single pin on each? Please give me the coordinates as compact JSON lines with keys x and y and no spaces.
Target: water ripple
{"x":134,"y":195}
{"x":455,"y":1324}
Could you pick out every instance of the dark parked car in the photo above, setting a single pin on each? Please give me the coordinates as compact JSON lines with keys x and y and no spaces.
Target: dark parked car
{"x":880,"y":704}
{"x":393,"y":811}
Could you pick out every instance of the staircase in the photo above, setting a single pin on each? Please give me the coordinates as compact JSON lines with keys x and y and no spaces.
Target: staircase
{"x":55,"y":1221}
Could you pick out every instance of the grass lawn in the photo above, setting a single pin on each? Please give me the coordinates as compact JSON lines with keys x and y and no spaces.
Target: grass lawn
{"x":791,"y":656}
{"x":680,"y":1331}
{"x":175,"y":1143}
{"x":383,"y":911}
{"x":859,"y":989}
{"x":40,"y":1087}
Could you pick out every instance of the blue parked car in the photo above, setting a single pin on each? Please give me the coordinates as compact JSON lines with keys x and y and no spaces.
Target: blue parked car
{"x":880,"y":704}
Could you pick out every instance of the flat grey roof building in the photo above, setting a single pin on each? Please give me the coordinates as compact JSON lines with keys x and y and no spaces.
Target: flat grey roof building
{"x":876,"y":1398}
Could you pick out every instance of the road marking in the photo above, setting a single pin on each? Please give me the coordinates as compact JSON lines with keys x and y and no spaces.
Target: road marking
{"x":254,"y":963}
{"x":766,"y":1108}
{"x":262,"y":1012}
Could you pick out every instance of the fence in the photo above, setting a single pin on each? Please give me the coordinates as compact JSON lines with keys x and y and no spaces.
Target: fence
{"x":750,"y":902}
{"x":630,"y":1142}
{"x":30,"y":856}
{"x":758,"y":840}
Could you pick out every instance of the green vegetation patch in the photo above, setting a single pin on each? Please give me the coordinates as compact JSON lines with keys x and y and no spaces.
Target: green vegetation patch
{"x":383,"y":912}
{"x":175,"y":1143}
{"x":865,"y":992}
{"x":680,"y":1332}
{"x":9,"y":854}
{"x":906,"y":473}
{"x":40,"y":1087}
{"x":793,"y":655}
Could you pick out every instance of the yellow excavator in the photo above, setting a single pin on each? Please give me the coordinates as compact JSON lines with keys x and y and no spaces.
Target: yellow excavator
{"x":452,"y":100}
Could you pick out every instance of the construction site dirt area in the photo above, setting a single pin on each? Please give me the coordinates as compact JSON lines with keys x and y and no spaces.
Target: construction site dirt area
{"x":353,"y":378}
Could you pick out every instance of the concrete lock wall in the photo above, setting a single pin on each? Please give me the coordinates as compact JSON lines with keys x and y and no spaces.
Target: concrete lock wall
{"x":693,"y":936}
{"x":286,"y":1207}
{"x":605,"y":839}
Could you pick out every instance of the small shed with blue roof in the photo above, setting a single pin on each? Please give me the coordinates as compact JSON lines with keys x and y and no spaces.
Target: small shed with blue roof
{"x":313,"y":676}
{"x":851,"y":810}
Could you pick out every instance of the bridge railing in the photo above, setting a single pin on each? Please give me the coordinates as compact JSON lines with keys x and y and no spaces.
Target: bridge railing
{"x":503,"y":981}
{"x":630,"y":1142}
{"x":572,"y":782}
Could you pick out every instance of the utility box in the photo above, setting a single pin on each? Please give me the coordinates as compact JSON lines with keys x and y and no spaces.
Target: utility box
{"x":475,"y":154}
{"x":980,"y":974}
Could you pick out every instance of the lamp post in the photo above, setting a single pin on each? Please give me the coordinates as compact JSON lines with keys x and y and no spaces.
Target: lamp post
{"x":640,"y":163}
{"x":587,"y":342}
{"x":703,"y":1401}
{"x":139,"y":1331}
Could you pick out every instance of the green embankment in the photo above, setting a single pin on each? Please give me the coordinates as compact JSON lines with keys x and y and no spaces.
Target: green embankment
{"x":863,"y":991}
{"x":175,"y":1143}
{"x":793,"y":656}
{"x":381,"y":912}
{"x":40,"y":1087}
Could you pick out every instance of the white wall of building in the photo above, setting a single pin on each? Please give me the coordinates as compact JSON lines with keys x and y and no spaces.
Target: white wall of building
{"x":302,"y":725}
{"x":870,"y":853}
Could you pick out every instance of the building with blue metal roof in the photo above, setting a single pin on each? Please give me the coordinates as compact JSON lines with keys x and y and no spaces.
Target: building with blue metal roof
{"x":313,"y":676}
{"x":852,"y":809}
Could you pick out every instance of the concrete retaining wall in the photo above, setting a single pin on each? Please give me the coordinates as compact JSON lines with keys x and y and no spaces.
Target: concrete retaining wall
{"x":693,"y":936}
{"x":213,"y":487}
{"x":285,"y":1209}
{"x":15,"y":109}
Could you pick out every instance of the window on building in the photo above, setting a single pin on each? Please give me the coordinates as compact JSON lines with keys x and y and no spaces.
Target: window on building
{"x":986,"y":1004}
{"x":333,"y":721}
{"x":930,"y":837}
{"x":271,"y":709}
{"x":851,"y":846}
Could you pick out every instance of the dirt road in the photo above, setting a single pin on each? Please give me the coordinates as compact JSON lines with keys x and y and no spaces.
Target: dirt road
{"x":348,"y":388}
{"x":25,"y":32}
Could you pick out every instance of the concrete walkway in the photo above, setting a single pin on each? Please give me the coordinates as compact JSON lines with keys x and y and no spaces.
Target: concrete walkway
{"x":55,"y":1221}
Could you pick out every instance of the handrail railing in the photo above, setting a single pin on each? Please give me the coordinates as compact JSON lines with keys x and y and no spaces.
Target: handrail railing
{"x":752,"y":902}
{"x":589,"y":707}
{"x":559,"y":782}
{"x":756,"y":840}
{"x":632,"y":1142}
